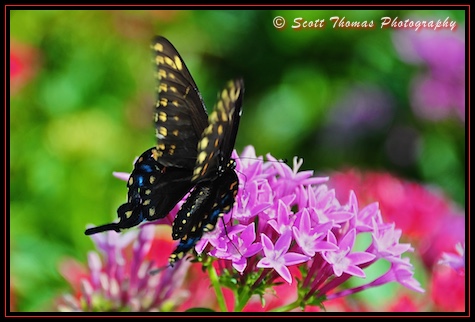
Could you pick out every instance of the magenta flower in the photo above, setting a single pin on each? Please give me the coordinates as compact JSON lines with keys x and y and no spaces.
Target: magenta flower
{"x":342,"y":259}
{"x":277,"y":256}
{"x":312,"y":239}
{"x":238,"y":248}
{"x":386,"y":241}
{"x":282,"y":222}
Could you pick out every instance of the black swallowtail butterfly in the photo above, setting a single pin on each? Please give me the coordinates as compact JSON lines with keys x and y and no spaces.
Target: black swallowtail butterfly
{"x":193,"y":152}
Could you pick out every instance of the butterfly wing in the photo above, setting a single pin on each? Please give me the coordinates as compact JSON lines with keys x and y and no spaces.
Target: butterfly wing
{"x":161,"y":175}
{"x":214,"y":175}
{"x":208,"y":201}
{"x":153,"y":190}
{"x":180,"y":114}
{"x":217,"y":141}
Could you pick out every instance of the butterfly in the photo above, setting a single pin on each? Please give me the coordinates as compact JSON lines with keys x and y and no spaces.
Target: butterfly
{"x":192,"y":155}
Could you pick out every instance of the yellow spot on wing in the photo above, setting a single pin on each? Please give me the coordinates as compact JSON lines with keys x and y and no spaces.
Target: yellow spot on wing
{"x":159,"y":60}
{"x":162,"y":116}
{"x":224,"y":95}
{"x":196,"y":175}
{"x":224,"y":116}
{"x":162,"y":74}
{"x":201,"y":157}
{"x":170,"y":62}
{"x":235,"y":94}
{"x":214,"y":116}
{"x":178,"y":63}
{"x":204,"y":143}
{"x":156,"y":154}
{"x":208,"y":227}
{"x":158,"y":47}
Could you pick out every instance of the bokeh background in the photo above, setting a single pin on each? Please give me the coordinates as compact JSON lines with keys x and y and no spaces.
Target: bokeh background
{"x":82,"y":93}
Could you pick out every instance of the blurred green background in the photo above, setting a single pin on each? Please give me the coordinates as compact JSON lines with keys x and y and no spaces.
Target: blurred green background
{"x":82,"y":95}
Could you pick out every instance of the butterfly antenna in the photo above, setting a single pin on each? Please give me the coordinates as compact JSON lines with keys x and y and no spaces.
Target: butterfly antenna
{"x":159,"y":269}
{"x":226,"y":232}
{"x":285,"y":160}
{"x":243,"y":174}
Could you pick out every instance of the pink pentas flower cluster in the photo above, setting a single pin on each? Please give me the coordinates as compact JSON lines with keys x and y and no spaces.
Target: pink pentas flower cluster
{"x":120,"y":276}
{"x":288,"y":227}
{"x":284,"y":218}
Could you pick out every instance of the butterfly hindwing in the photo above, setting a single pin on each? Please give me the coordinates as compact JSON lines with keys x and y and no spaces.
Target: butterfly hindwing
{"x":208,"y":201}
{"x":153,"y":190}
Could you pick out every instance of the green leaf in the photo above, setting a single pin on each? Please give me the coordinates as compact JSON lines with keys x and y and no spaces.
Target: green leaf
{"x":199,"y":309}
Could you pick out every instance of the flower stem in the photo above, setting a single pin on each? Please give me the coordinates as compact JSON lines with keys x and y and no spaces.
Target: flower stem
{"x":243,"y":299}
{"x":287,"y":308}
{"x":213,"y":276}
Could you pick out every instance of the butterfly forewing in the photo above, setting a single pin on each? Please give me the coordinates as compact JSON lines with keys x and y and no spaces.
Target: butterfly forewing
{"x":180,"y":114}
{"x":217,"y":141}
{"x":162,"y":175}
